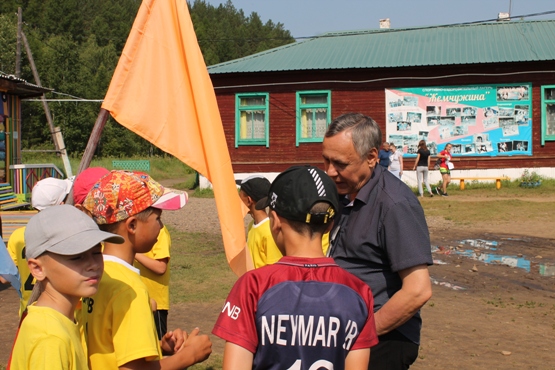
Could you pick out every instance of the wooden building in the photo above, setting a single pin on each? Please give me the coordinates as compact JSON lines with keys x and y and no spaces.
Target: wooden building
{"x":13,"y":90}
{"x":488,"y":88}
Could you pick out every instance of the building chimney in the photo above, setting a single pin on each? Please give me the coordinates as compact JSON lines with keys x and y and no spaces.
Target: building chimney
{"x":384,"y":23}
{"x":503,"y":17}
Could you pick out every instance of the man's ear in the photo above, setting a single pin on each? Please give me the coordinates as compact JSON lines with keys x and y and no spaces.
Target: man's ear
{"x":36,"y":268}
{"x":372,"y":158}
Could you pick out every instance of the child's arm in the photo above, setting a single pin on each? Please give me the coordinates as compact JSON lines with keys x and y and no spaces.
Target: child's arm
{"x":237,"y":357}
{"x":159,"y":267}
{"x":196,"y":349}
{"x":357,"y":359}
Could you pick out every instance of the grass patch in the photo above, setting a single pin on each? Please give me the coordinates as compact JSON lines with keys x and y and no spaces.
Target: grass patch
{"x":472,"y":204}
{"x":509,"y":189}
{"x":188,"y":184}
{"x":199,"y":269}
{"x":214,"y":362}
{"x":161,"y":167}
{"x":480,"y":211}
{"x":203,"y":193}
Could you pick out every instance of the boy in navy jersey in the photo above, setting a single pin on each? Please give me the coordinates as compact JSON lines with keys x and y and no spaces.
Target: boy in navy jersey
{"x":303,"y":312}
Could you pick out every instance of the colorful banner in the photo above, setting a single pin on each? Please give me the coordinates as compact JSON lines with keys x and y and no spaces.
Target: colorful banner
{"x":479,"y":120}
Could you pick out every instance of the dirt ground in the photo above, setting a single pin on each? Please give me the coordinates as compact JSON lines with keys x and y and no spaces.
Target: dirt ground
{"x":493,"y":304}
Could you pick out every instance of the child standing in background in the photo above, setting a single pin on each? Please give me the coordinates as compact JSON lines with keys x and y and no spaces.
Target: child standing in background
{"x":155,"y":273}
{"x":261,"y":245}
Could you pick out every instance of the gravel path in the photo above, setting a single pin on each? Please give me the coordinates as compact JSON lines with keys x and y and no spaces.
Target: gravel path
{"x":199,"y":215}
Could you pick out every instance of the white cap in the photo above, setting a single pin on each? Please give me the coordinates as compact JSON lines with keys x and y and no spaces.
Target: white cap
{"x":50,"y":192}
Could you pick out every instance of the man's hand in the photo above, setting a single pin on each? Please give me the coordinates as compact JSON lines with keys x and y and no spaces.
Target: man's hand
{"x":415,"y":292}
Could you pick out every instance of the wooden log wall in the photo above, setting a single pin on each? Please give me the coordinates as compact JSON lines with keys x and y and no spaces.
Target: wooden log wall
{"x":367,"y":97}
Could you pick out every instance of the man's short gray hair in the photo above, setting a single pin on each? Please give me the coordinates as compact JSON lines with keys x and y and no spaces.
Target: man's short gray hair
{"x":366,"y":133}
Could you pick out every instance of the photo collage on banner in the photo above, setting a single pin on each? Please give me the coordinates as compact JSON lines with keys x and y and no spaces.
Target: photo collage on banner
{"x":478,"y":120}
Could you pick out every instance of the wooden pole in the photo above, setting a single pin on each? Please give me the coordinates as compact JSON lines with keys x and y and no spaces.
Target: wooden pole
{"x":63,"y":151}
{"x":18,"y":45}
{"x":37,"y":81}
{"x":93,"y":140}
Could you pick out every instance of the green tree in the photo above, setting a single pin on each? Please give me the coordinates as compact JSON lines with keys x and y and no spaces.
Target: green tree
{"x":225,"y":33}
{"x":76,"y":45}
{"x":8,"y":30}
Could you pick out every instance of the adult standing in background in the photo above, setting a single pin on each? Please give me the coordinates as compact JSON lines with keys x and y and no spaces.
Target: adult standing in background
{"x":396,"y":161}
{"x":383,"y":155}
{"x":381,"y":237}
{"x":421,"y":165}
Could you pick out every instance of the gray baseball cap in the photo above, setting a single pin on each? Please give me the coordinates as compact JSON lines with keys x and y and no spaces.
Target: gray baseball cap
{"x":63,"y":230}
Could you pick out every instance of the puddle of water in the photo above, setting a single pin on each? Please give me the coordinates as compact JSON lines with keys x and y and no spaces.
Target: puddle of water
{"x":544,"y":269}
{"x":446,"y":284}
{"x":547,"y":269}
{"x":439,"y":262}
{"x":480,"y":243}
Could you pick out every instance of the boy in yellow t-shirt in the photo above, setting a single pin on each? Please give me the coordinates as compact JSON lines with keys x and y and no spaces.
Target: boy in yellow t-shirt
{"x":63,"y":254}
{"x":119,"y":329}
{"x":262,"y":247}
{"x":155,"y":273}
{"x":46,"y":193}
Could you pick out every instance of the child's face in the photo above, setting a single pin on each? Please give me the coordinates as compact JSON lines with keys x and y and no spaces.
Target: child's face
{"x":246,"y":200}
{"x":244,"y":197}
{"x":75,"y":275}
{"x":147,"y":231}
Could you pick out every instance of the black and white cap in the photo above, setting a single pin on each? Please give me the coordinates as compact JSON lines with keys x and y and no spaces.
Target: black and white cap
{"x":296,"y":190}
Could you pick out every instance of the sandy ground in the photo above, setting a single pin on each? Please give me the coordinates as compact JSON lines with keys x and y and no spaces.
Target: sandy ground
{"x":493,"y":303}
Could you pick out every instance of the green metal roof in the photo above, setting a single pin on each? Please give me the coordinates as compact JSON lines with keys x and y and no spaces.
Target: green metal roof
{"x":506,"y":41}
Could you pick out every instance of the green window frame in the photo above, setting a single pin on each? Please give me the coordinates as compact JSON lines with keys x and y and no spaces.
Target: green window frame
{"x":251,"y":119}
{"x":548,"y":113}
{"x":313,"y":115}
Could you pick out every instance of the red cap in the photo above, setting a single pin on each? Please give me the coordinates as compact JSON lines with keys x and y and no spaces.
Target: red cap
{"x":84,"y":182}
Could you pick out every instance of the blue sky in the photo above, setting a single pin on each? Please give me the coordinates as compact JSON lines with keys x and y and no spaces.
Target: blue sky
{"x":312,"y":17}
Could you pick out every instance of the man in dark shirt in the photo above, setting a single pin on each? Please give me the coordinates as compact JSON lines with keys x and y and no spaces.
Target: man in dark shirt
{"x":381,"y":237}
{"x":383,"y":155}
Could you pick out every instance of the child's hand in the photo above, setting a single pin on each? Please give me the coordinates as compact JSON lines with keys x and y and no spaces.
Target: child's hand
{"x":172,"y":341}
{"x":199,"y":346}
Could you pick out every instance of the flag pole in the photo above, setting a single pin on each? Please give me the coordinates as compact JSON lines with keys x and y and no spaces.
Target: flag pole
{"x":93,"y":140}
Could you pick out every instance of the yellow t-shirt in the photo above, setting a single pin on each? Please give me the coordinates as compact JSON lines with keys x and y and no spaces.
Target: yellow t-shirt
{"x":47,"y":340}
{"x":325,"y":243}
{"x":262,"y":246}
{"x":264,"y":250}
{"x":158,"y":286}
{"x":16,"y":249}
{"x":118,"y":319}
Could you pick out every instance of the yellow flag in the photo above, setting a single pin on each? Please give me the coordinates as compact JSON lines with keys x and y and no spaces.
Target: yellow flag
{"x":161,"y":90}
